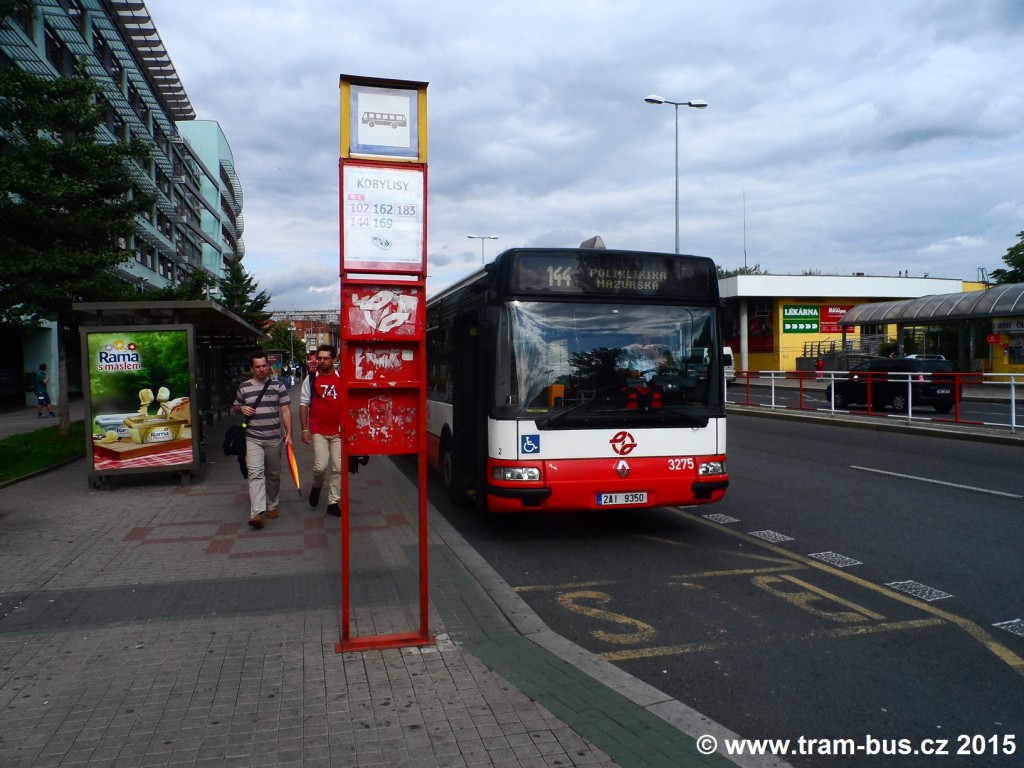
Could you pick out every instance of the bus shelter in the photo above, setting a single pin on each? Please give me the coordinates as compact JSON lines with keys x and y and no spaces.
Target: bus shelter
{"x":998,"y":312}
{"x":154,"y":373}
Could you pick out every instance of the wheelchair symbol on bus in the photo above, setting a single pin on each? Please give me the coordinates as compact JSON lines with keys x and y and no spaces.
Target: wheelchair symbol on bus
{"x":529,"y":444}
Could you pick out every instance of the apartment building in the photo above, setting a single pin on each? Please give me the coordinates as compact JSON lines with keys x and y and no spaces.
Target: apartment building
{"x":196,"y":220}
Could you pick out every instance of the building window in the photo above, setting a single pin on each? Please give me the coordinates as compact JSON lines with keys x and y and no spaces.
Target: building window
{"x":166,"y":268}
{"x":57,"y":53}
{"x":117,"y":125}
{"x":24,"y":20}
{"x":100,"y":48}
{"x":1016,"y":351}
{"x":114,"y":69}
{"x":163,"y":224}
{"x":146,"y":256}
{"x":77,"y":15}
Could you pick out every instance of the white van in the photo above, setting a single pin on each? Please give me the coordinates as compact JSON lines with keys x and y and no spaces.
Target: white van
{"x":730,"y":367}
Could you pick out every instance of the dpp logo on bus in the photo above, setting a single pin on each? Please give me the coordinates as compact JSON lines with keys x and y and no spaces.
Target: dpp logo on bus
{"x":623,"y":443}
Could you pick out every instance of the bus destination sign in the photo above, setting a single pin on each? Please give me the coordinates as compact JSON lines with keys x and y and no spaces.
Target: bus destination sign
{"x":613,"y":273}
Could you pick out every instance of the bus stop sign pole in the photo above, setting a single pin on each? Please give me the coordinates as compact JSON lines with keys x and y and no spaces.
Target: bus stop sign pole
{"x":383,"y":255}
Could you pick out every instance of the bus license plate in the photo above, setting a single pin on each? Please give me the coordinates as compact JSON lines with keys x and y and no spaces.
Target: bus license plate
{"x":621,"y":499}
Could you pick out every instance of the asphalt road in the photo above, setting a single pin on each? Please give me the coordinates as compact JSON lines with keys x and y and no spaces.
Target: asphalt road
{"x":854,"y":584}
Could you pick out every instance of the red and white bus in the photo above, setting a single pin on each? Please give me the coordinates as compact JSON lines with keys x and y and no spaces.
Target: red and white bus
{"x":573,"y":379}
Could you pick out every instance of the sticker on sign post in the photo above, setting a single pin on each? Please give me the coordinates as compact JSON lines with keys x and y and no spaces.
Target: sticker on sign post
{"x":382,"y":218}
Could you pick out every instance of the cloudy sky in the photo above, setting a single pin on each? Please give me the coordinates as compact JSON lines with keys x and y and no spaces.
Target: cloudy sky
{"x":874,"y":137}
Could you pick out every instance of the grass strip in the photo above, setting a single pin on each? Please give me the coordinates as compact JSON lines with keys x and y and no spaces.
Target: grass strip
{"x":30,"y":452}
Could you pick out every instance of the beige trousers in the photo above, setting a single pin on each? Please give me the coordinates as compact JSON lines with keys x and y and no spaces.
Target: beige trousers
{"x":327,"y":456}
{"x":263,"y":461}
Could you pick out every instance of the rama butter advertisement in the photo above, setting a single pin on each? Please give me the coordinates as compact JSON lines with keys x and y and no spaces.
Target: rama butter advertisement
{"x":139,"y":382}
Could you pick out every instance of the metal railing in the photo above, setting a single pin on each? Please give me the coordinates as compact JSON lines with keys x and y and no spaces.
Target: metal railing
{"x":817,"y":391}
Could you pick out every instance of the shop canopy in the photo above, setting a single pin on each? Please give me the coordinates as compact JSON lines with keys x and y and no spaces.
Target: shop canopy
{"x":1005,"y":300}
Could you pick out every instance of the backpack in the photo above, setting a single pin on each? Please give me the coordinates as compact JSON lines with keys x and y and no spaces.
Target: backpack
{"x":234,"y":441}
{"x":234,"y":445}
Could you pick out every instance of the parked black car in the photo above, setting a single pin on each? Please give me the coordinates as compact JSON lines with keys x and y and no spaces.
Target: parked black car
{"x":932,"y":382}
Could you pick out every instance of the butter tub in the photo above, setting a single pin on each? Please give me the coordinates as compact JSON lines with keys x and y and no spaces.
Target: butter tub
{"x":153,"y":429}
{"x":114,"y":422}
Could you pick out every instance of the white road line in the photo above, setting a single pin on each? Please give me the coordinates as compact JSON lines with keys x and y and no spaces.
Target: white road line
{"x":939,"y":482}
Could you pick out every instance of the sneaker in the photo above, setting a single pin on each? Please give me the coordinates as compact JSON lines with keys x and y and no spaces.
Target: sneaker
{"x":53,"y":415}
{"x":333,"y":511}
{"x":272,"y":514}
{"x":314,"y":496}
{"x":256,"y":521}
{"x":40,"y":415}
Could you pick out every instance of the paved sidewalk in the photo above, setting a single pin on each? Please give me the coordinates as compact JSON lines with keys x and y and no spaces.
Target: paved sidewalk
{"x":15,"y":420}
{"x":148,"y":625}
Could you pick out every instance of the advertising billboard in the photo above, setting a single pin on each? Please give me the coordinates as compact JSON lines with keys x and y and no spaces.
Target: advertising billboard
{"x":139,"y":411}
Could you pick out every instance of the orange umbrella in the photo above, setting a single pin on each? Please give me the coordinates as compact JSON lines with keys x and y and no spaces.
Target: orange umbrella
{"x":295,"y":468}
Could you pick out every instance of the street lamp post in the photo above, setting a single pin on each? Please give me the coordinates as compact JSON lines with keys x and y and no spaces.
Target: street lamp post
{"x":696,"y":104}
{"x":481,"y":238}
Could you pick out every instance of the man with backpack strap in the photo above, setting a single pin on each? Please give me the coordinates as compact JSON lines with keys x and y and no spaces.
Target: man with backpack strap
{"x":268,"y":425}
{"x":320,"y":415}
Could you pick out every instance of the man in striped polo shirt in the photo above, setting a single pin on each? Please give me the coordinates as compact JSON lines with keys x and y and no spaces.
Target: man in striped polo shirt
{"x":270,"y":425}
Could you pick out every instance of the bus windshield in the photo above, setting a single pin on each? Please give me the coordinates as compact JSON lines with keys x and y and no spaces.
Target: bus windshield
{"x":574,"y":363}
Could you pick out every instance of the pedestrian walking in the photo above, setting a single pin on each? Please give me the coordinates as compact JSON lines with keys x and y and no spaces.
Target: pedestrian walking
{"x":320,"y":415}
{"x":41,"y":392}
{"x":265,"y":404}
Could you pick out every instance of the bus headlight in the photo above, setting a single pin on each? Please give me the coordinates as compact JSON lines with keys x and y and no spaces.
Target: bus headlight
{"x":515,"y":473}
{"x":710,"y":468}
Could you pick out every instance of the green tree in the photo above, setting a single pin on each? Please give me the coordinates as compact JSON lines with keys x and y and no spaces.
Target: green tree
{"x":754,"y":270}
{"x":10,"y":8}
{"x":1014,"y":259}
{"x":196,"y":288}
{"x":66,"y":202}
{"x":282,"y":337}
{"x":240,"y":294}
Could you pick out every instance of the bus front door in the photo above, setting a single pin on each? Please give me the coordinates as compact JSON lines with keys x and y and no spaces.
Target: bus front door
{"x":470,"y":400}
